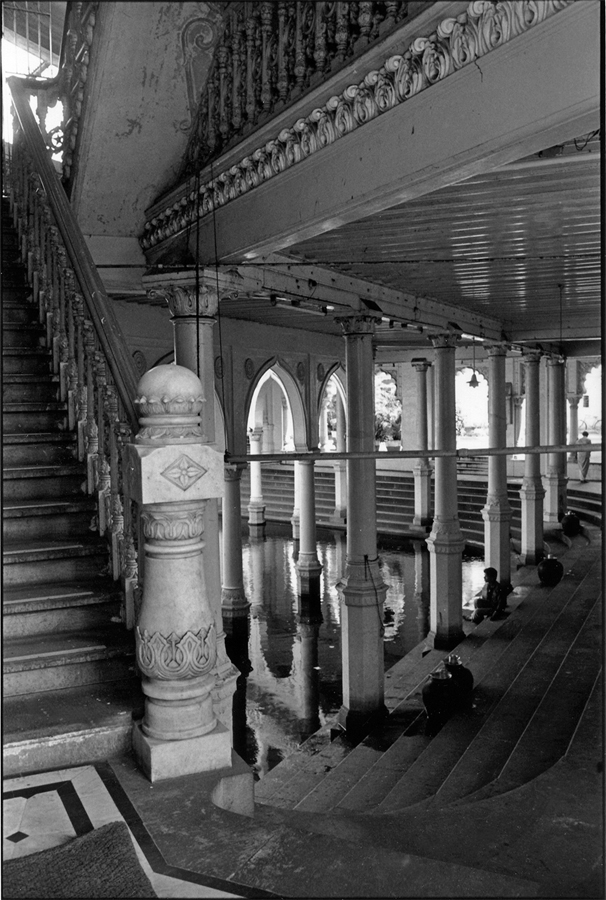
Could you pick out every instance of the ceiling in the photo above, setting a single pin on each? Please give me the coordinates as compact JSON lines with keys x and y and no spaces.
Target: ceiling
{"x":521,"y":244}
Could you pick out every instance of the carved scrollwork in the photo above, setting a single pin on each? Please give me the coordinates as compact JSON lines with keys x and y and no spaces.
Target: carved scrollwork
{"x":320,"y":37}
{"x":173,"y":525}
{"x":175,"y":656}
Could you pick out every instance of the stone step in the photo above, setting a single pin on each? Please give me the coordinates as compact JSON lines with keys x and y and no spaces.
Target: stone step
{"x":507,"y":694}
{"x":36,"y":519}
{"x":25,"y":418}
{"x":49,"y":662}
{"x":14,"y":313}
{"x":58,"y":729}
{"x":43,"y":448}
{"x":29,"y":389}
{"x":36,"y":362}
{"x":43,"y":482}
{"x":21,"y":335}
{"x":29,"y":609}
{"x":53,"y":561}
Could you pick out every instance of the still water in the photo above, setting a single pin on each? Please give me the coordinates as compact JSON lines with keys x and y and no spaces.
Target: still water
{"x":289,"y":651}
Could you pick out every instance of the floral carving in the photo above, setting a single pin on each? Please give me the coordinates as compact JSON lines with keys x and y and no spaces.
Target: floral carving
{"x":184,"y":472}
{"x":174,"y":525}
{"x":456,"y":42}
{"x":176,"y":656}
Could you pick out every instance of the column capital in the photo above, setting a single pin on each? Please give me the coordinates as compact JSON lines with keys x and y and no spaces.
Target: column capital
{"x":499,"y":349}
{"x":185,"y":294}
{"x":420,"y":364}
{"x":359,"y":323}
{"x":445,"y":340}
{"x":556,"y":361}
{"x":531,"y":357}
{"x":573,"y":399}
{"x":233,"y":471}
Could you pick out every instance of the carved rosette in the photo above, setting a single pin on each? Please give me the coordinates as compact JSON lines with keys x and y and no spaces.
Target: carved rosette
{"x":175,"y":657}
{"x":456,"y":42}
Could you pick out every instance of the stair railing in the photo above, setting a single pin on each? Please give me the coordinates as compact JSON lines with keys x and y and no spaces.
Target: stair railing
{"x":96,"y":373}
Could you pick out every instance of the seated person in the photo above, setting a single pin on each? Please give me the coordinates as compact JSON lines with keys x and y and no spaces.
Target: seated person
{"x":492,"y":600}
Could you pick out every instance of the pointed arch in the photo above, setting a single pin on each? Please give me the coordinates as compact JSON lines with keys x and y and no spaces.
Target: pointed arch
{"x":276,"y":369}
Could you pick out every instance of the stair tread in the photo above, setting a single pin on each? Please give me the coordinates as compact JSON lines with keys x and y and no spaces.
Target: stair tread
{"x":43,"y":648}
{"x":47,"y":506}
{"x":39,"y":437}
{"x":40,"y":550}
{"x":34,"y":716}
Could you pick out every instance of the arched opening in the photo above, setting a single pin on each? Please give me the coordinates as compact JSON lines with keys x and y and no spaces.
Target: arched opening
{"x":388,"y":411}
{"x":276,"y":409}
{"x":471,"y":408}
{"x":332,"y":415}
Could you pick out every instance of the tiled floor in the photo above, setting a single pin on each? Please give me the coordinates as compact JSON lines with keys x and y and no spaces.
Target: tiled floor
{"x":45,"y":810}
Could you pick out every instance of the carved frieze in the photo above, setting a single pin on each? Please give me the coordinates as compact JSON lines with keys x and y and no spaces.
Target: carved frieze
{"x":176,"y":524}
{"x":174,"y":656}
{"x":457,"y":42}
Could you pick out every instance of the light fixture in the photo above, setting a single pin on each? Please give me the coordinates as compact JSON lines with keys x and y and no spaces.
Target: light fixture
{"x":473,"y":381}
{"x":283,"y":303}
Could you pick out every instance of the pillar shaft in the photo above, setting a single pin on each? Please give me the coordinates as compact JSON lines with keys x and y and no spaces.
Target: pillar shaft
{"x":362,"y":589}
{"x":497,"y":512}
{"x":308,"y":565}
{"x":573,"y":422}
{"x":532,"y":491}
{"x":233,"y":598}
{"x":445,"y":541}
{"x":340,"y":467}
{"x":555,"y":478}
{"x":256,"y":505}
{"x":422,"y":469}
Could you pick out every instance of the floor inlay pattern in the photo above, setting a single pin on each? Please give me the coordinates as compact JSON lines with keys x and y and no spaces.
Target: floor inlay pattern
{"x":47,"y":809}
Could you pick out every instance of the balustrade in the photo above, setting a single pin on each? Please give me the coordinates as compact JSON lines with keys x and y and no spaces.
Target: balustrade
{"x":271,"y":53}
{"x":96,"y":375}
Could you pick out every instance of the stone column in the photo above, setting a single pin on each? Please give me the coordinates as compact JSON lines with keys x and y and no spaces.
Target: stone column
{"x":308,"y":565}
{"x":532,"y":491}
{"x":194,"y":307}
{"x":172,"y":476}
{"x":555,"y":478}
{"x":497,"y":512}
{"x":362,"y":590}
{"x":339,"y":515}
{"x":445,"y":541}
{"x":305,"y":666}
{"x":233,"y":598}
{"x":573,"y":422}
{"x":431,"y":408}
{"x":295,"y":519}
{"x":422,"y":587}
{"x":256,"y":506}
{"x":422,"y":470}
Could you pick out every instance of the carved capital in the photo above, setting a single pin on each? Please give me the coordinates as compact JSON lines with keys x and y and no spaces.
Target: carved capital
{"x":176,"y":656}
{"x":358,"y":324}
{"x":173,"y":524}
{"x":445,"y":340}
{"x":420,"y":365}
{"x":187,"y":299}
{"x":233,"y":472}
{"x":531,"y":357}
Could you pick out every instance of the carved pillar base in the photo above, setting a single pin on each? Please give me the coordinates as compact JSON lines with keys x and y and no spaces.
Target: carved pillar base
{"x":497,"y":544}
{"x":446,"y":546}
{"x":422,"y":518}
{"x":161,"y":759}
{"x":308,"y":574}
{"x":362,"y":593}
{"x":555,"y":497}
{"x":256,"y":514}
{"x":531,"y":495}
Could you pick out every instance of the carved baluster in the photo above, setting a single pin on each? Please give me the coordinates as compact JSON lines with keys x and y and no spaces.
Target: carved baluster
{"x":285,"y":43}
{"x":391,"y":13}
{"x":304,"y":40}
{"x":320,"y":48}
{"x":62,"y":341}
{"x":31,"y":227}
{"x":130,"y":566}
{"x":342,"y":33}
{"x":378,"y":16}
{"x":103,"y":468}
{"x":251,"y":66}
{"x":211,"y":130}
{"x":267,"y":28}
{"x":237,"y":68}
{"x":91,"y":431}
{"x":116,"y":511}
{"x":81,"y":393}
{"x":365,"y":20}
{"x":223,"y":59}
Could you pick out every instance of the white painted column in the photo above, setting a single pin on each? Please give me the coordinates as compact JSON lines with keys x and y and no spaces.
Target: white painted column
{"x":422,"y":587}
{"x":445,"y":541}
{"x":532,"y":491}
{"x":295,"y":519}
{"x":308,"y":565}
{"x":362,"y":589}
{"x":555,"y":477}
{"x":497,"y":511}
{"x":422,"y":470}
{"x":431,"y":407}
{"x":339,"y":515}
{"x":573,"y":422}
{"x":256,"y":505}
{"x":233,"y":598}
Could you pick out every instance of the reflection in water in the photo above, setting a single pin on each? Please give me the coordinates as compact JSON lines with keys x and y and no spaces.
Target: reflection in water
{"x":288,"y":649}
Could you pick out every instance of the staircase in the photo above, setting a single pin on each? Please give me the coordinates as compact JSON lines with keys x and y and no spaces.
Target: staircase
{"x":68,"y":663}
{"x":537,"y":701}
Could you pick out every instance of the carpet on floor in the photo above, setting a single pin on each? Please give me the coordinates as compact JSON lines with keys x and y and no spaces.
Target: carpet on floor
{"x":101,"y":863}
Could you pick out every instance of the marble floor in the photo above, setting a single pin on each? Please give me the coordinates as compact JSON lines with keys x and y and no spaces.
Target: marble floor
{"x":47,"y":809}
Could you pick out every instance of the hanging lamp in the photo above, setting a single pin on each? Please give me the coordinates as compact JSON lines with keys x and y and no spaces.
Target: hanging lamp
{"x":473,"y":381}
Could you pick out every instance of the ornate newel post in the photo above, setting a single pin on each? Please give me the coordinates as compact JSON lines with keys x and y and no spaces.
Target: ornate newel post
{"x":532,"y":491}
{"x":233,"y":598}
{"x":308,"y":565}
{"x":497,"y":512}
{"x":362,"y":590}
{"x":445,"y":541}
{"x":555,"y":478}
{"x":172,"y":476}
{"x":422,"y":470}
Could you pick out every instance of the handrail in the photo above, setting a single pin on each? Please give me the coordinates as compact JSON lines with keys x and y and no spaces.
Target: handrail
{"x":97,"y":302}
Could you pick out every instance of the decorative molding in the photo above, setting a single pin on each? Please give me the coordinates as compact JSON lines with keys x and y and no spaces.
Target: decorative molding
{"x":184,"y":472}
{"x":187,"y":300}
{"x":321,"y":372}
{"x":456,"y":43}
{"x":301,"y":371}
{"x":219,"y":367}
{"x":358,"y":324}
{"x":169,"y":406}
{"x":249,"y":368}
{"x":140,"y":362}
{"x":173,"y":525}
{"x":175,"y":656}
{"x":170,"y":433}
